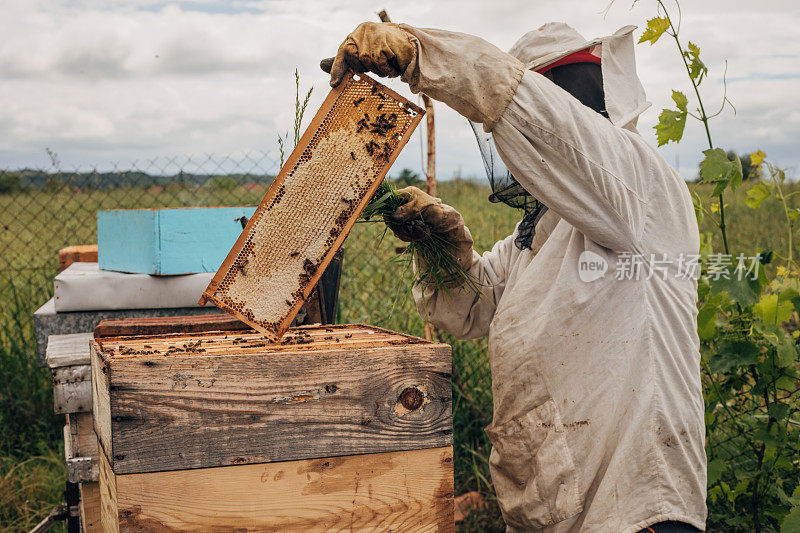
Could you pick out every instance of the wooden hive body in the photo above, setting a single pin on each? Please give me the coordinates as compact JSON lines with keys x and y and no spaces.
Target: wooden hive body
{"x":68,"y":358}
{"x":81,"y":441}
{"x":334,"y":428}
{"x":396,"y":491}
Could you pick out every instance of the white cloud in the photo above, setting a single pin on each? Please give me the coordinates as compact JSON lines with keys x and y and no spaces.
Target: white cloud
{"x":105,"y":81}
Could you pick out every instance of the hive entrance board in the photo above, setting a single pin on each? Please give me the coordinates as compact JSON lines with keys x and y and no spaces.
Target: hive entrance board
{"x":313,"y":203}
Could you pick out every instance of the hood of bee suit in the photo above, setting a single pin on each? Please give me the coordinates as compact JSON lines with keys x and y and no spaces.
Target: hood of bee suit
{"x":624,"y":95}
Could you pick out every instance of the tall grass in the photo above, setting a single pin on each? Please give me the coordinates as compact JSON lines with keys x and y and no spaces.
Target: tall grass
{"x":26,"y":417}
{"x":374,"y":290}
{"x":31,"y":460}
{"x":29,"y":489}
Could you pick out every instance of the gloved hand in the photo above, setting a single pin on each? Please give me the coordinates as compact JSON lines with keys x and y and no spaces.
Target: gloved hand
{"x":423,"y":215}
{"x":379,"y":47}
{"x":470,"y":75}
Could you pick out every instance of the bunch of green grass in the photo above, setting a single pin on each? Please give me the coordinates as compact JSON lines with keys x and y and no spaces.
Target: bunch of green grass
{"x":437,"y":267}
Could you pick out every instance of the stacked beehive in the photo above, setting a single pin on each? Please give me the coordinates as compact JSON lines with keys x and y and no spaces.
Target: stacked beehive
{"x":333,"y":428}
{"x":68,"y":358}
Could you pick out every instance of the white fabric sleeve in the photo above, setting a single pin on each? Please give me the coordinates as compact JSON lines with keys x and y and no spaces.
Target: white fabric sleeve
{"x":461,"y":311}
{"x":593,"y":174}
{"x":472,"y":76}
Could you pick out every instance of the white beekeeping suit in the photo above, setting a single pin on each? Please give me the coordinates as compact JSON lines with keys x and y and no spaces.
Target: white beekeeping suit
{"x":598,"y":408}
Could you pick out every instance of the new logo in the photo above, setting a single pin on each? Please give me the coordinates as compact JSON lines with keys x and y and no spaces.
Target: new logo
{"x":591,"y":266}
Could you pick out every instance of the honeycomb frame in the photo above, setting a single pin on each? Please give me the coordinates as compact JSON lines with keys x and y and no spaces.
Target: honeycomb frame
{"x":329,"y":178}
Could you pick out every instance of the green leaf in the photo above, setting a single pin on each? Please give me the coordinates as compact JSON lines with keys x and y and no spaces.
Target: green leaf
{"x":703,"y":288}
{"x":762,"y":434}
{"x":715,"y":469}
{"x":737,"y":176}
{"x":706,"y":247}
{"x":783,"y":462}
{"x":791,"y":523}
{"x":734,"y":354}
{"x":706,"y":328}
{"x":726,"y":490}
{"x":719,"y":188}
{"x":788,"y":381}
{"x":790,"y":293}
{"x":670,"y":126}
{"x":771,"y":311}
{"x":756,"y":195}
{"x":772,"y":334}
{"x":697,"y":69}
{"x":741,"y":487}
{"x":787,"y":352}
{"x":740,"y":286}
{"x":655,"y":29}
{"x":784,"y":498}
{"x":717,"y":168}
{"x":680,"y":100}
{"x":671,"y":123}
{"x":778,"y":411}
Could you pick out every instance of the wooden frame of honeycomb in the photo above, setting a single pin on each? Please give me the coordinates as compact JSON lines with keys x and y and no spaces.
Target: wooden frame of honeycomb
{"x":313,"y":203}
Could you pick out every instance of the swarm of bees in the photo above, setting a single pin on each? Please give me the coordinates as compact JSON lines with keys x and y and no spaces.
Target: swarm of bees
{"x":301,"y":337}
{"x":381,"y":126}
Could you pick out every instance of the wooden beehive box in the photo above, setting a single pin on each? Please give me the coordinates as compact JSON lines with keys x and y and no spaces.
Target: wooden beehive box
{"x":80,"y":446}
{"x":333,"y":428}
{"x":82,"y":253}
{"x":68,"y":358}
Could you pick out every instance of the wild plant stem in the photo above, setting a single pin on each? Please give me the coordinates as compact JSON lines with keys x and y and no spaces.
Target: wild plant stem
{"x":703,"y":119}
{"x":782,"y":198}
{"x":299,"y":111}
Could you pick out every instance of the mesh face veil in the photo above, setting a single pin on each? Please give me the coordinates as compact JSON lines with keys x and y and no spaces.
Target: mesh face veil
{"x":573,"y":63}
{"x":582,"y":80}
{"x":506,"y":189}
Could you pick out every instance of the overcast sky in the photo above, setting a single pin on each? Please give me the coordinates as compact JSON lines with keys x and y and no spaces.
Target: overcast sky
{"x":115,"y":81}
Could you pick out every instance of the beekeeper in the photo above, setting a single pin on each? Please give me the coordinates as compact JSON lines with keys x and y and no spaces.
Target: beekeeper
{"x":589,"y":306}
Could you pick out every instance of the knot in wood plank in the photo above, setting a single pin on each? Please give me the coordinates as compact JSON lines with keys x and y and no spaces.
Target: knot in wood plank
{"x":411,"y":398}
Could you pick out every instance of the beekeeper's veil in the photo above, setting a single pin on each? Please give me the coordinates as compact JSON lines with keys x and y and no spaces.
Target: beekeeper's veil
{"x":552,"y":45}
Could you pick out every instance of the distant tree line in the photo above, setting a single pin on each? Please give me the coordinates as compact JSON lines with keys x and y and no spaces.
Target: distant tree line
{"x":15,"y":181}
{"x":23,"y":180}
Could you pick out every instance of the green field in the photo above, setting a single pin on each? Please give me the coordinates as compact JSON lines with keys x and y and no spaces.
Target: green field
{"x":374,"y":290}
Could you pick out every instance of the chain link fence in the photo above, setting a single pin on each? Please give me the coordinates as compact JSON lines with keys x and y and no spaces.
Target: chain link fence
{"x":44,"y":210}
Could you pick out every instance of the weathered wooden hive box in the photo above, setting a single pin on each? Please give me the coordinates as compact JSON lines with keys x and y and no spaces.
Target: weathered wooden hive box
{"x":334,"y":428}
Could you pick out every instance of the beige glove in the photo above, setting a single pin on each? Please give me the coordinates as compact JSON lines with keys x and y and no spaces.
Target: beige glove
{"x":465,"y":72}
{"x":423,"y":215}
{"x":379,"y":47}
